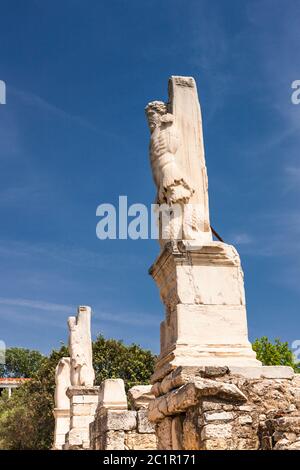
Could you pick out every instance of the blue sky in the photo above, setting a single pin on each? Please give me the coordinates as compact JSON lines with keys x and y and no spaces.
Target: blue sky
{"x":73,"y":135}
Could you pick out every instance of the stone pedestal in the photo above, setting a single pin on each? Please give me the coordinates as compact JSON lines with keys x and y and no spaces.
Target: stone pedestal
{"x":83,"y":405}
{"x":202,"y":289}
{"x":62,"y":426}
{"x":214,"y":408}
{"x":117,"y":428}
{"x":112,"y":395}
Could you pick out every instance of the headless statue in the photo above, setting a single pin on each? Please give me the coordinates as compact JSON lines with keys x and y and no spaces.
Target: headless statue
{"x":62,"y":382}
{"x":80,"y":348}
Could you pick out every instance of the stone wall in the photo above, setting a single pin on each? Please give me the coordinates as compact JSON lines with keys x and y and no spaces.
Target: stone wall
{"x":217,"y":408}
{"x":117,"y":428}
{"x":122,"y":430}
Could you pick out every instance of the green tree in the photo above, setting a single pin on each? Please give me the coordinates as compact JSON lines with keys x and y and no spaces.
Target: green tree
{"x":26,"y":419}
{"x":274,"y":354}
{"x":20,"y":362}
{"x":114,"y":359}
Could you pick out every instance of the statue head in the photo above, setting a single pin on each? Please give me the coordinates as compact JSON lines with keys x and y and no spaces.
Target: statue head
{"x":154,"y":112}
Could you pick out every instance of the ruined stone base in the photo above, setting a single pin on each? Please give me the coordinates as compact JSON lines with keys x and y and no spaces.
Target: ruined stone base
{"x":191,"y":355}
{"x":83,"y":405}
{"x":62,"y":426}
{"x":214,"y":408}
{"x":122,"y":430}
{"x":202,"y":288}
{"x":117,"y":428}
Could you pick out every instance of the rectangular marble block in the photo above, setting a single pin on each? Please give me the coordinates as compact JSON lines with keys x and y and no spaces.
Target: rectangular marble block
{"x":210,"y":285}
{"x":264,"y":372}
{"x":82,"y":393}
{"x":205,"y":324}
{"x":116,"y":420}
{"x":202,"y":288}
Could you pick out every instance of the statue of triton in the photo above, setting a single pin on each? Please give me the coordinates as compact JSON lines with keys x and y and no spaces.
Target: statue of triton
{"x":200,"y":280}
{"x":178,"y":163}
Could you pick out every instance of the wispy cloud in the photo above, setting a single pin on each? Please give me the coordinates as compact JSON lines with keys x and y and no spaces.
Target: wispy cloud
{"x":10,"y":139}
{"x":20,"y":313}
{"x":126,"y":318}
{"x":19,"y":195}
{"x":77,"y":256}
{"x":11,"y":142}
{"x":277,"y":234}
{"x":241,"y":239}
{"x":293,"y":177}
{"x":274,"y":140}
{"x":37,"y":304}
{"x":35,"y":101}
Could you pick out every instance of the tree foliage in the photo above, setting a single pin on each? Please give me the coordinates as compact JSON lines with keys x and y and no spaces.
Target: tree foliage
{"x":274,"y":354}
{"x":114,"y":359}
{"x":20,"y":362}
{"x":26,"y":419}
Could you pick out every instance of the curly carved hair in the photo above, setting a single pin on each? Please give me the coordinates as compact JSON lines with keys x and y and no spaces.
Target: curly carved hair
{"x":156,"y":106}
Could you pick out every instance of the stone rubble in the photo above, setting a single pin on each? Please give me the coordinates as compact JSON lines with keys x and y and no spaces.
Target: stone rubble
{"x":212,"y":408}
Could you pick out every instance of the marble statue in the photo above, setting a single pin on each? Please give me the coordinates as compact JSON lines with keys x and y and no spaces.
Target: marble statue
{"x":172,"y":185}
{"x":200,"y":280}
{"x":80,"y":348}
{"x":178,"y":163}
{"x":61,"y":411}
{"x":62,"y":382}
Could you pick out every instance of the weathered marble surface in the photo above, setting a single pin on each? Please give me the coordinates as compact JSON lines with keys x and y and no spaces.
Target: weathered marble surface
{"x":80,"y":348}
{"x":200,"y":280}
{"x":83,"y":405}
{"x":112,"y":395}
{"x":62,"y":427}
{"x":75,"y":396}
{"x":62,"y":383}
{"x":140,"y":396}
{"x":202,"y":288}
{"x":62,"y":402}
{"x":178,"y":162}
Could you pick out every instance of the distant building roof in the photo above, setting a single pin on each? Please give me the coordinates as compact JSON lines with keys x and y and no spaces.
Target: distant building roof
{"x":12,"y":380}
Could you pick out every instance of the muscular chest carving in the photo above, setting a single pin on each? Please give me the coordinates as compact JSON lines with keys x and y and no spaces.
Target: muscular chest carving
{"x":164,"y":140}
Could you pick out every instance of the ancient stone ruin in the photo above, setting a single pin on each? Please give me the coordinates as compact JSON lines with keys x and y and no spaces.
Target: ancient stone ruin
{"x":211,"y":391}
{"x":62,"y":402}
{"x":200,"y":280}
{"x":118,"y":428}
{"x":97,"y":417}
{"x":80,"y":348}
{"x":211,"y":408}
{"x":76,"y":398}
{"x":208,"y":389}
